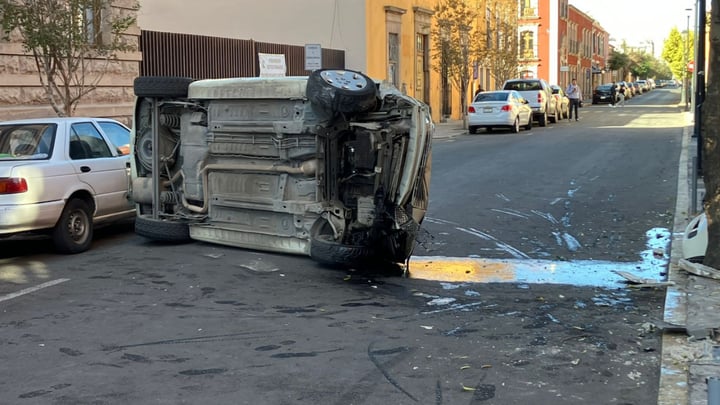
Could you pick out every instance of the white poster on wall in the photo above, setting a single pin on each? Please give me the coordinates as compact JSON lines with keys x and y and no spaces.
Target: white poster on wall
{"x":272,"y":65}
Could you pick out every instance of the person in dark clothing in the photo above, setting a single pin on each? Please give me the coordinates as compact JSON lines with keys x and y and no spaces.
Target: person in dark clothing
{"x":621,"y":96}
{"x":478,"y":91}
{"x":613,"y":90}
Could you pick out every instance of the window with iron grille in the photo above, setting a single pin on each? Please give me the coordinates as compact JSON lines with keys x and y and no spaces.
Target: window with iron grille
{"x":393,"y":58}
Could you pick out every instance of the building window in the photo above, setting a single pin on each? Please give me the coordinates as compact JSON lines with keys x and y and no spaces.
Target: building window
{"x":92,"y":22}
{"x":528,"y":8}
{"x":423,"y":21}
{"x":393,"y":58}
{"x":527,"y":44}
{"x":393,"y":21}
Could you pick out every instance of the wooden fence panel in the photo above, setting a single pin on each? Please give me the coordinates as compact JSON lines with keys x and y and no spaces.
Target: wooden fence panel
{"x":204,"y":57}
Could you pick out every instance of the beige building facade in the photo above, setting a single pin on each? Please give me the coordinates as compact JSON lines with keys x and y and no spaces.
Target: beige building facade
{"x":22,"y":96}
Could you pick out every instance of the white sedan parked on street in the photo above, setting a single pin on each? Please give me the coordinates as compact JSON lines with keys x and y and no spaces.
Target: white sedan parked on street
{"x":499,"y":109}
{"x":61,"y":176}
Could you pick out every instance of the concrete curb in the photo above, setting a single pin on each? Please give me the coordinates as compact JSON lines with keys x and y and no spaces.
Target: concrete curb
{"x":673,"y":388}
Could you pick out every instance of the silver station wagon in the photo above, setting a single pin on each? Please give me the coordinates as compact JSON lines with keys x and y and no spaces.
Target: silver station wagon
{"x":61,"y":176}
{"x":331,"y":165}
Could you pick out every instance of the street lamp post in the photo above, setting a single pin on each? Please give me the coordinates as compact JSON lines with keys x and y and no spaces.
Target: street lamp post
{"x":686,"y":84}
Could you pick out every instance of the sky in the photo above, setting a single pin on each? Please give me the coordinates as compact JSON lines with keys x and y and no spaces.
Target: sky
{"x":641,"y":20}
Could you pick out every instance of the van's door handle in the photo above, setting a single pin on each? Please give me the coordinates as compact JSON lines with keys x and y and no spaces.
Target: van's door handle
{"x":84,"y":169}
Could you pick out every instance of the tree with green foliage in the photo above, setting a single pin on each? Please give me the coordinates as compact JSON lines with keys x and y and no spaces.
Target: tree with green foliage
{"x":619,"y":62}
{"x":640,"y":64}
{"x":502,"y":59}
{"x":711,"y":142}
{"x":455,"y":31}
{"x":677,"y":51}
{"x":72,"y":42}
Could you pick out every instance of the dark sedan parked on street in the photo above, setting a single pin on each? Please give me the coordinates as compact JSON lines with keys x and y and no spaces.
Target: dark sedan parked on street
{"x":603,"y":94}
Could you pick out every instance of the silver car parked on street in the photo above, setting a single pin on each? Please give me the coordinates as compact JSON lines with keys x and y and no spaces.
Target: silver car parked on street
{"x":62,"y":176}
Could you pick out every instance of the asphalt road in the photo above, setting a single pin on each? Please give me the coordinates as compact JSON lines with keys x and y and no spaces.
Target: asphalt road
{"x":144,"y":323}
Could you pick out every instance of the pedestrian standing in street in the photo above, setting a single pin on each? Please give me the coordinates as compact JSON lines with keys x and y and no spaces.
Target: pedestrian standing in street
{"x":478,"y":91}
{"x":613,"y":95}
{"x":621,"y":95}
{"x":575,"y":95}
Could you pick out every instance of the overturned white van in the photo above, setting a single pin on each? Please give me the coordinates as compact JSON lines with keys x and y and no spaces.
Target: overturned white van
{"x":332,"y":165}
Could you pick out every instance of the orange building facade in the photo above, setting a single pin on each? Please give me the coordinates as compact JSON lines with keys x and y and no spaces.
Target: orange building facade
{"x":558,"y":42}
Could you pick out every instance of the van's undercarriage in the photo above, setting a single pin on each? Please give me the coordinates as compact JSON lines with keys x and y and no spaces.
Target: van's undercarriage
{"x":330,"y":165}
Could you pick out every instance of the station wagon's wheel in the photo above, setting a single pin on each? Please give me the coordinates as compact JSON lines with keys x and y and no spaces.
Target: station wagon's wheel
{"x":162,"y":230}
{"x":472,"y":130}
{"x":343,"y":91}
{"x":162,"y":86}
{"x":515,"y":128}
{"x":73,"y":232}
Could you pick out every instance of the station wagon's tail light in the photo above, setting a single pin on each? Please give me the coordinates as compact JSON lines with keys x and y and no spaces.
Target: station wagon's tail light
{"x":471,"y":109}
{"x":13,"y":185}
{"x":540,"y":98}
{"x":506,"y":107}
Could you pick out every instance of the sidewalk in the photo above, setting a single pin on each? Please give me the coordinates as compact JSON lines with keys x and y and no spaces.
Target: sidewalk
{"x":449,"y":129}
{"x":690,"y":351}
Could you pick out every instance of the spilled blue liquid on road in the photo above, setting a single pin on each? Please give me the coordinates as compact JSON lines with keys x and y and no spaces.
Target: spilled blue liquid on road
{"x":652,"y":267}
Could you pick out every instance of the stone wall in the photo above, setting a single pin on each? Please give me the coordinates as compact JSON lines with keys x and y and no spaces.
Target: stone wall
{"x":22,"y":96}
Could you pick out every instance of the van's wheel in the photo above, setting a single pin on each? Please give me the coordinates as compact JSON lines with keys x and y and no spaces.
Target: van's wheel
{"x":344,"y":91}
{"x":162,"y":230}
{"x":325,"y":250}
{"x":73,"y":232}
{"x":162,"y":86}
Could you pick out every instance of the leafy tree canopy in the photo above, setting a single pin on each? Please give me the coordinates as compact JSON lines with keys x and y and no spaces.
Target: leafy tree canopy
{"x":677,"y":50}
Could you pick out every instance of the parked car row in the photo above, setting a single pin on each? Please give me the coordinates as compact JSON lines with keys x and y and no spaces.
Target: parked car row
{"x":518,"y":104}
{"x":603,"y":93}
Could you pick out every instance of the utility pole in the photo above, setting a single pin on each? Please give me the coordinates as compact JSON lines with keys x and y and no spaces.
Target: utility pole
{"x":699,"y":78}
{"x":686,"y":84}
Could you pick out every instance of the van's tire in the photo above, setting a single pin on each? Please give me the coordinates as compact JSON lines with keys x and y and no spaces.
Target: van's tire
{"x":73,"y":232}
{"x":162,"y":86}
{"x":324,"y":250}
{"x":161,"y":230}
{"x":343,"y":91}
